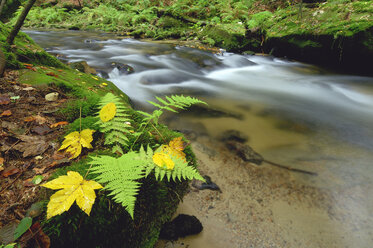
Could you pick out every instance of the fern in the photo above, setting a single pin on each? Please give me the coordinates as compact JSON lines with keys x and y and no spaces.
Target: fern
{"x":171,"y":104}
{"x":181,"y":169}
{"x":119,"y":176}
{"x":118,"y":128}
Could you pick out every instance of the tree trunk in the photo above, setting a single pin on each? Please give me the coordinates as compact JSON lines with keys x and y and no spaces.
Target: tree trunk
{"x":19,"y":23}
{"x":2,"y":6}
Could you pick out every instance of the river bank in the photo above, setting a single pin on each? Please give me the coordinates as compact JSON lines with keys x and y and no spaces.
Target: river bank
{"x":335,"y":34}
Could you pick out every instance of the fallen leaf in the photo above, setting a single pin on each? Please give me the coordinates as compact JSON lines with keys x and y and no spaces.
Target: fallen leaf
{"x":59,"y":162}
{"x":28,"y":183}
{"x":22,"y":227}
{"x":25,"y":64}
{"x":14,"y":98}
{"x":38,"y":170}
{"x":41,"y":130}
{"x":52,"y":74}
{"x":40,"y":120}
{"x":43,"y":67}
{"x":31,"y":145}
{"x":29,"y":119}
{"x":6,"y":113}
{"x":1,"y":161}
{"x":4,"y":100}
{"x":108,"y":112}
{"x":61,"y":123}
{"x":75,"y":141}
{"x":10,"y":171}
{"x":37,"y":179}
{"x":73,"y":187}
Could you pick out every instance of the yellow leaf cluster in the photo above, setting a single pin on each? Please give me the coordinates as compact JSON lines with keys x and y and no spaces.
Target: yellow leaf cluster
{"x":163,"y":158}
{"x":73,"y":187}
{"x":108,"y":112}
{"x":74,"y":142}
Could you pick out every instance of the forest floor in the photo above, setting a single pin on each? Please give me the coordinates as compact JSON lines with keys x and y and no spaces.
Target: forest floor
{"x":30,"y":127}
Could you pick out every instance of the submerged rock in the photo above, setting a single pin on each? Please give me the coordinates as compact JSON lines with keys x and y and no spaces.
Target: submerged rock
{"x":206,"y":185}
{"x":234,"y":135}
{"x":83,"y":66}
{"x":183,"y":225}
{"x":245,"y":152}
{"x":122,"y":68}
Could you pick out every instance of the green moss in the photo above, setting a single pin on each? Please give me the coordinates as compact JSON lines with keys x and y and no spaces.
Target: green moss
{"x":24,"y":50}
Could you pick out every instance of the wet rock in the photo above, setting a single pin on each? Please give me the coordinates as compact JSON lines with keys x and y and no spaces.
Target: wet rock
{"x":206,"y":185}
{"x":51,"y":97}
{"x":183,"y":225}
{"x":122,"y":68}
{"x":245,"y":152}
{"x":102,"y":74}
{"x":237,"y":61}
{"x":234,"y":135}
{"x":82,"y":66}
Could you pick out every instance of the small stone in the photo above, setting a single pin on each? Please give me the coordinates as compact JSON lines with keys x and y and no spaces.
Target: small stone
{"x":51,"y":97}
{"x":28,"y":88}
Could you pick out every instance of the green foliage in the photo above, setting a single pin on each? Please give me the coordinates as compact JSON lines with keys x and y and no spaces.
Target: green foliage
{"x":119,"y":176}
{"x":22,"y":227}
{"x":117,"y":129}
{"x":257,"y":20}
{"x":169,"y":103}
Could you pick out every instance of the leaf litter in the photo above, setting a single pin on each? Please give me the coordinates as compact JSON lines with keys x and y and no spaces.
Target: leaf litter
{"x":29,"y":129}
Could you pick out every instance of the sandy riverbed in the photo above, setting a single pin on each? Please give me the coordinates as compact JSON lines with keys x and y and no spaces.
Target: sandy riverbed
{"x":266,"y":206}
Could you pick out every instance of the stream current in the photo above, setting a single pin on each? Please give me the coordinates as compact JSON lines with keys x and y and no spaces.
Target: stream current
{"x":294,"y":113}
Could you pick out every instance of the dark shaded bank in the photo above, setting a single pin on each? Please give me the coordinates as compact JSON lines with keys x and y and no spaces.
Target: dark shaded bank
{"x":344,"y":54}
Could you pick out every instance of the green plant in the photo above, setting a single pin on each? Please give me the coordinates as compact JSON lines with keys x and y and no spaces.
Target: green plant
{"x":117,"y":128}
{"x":170,"y":104}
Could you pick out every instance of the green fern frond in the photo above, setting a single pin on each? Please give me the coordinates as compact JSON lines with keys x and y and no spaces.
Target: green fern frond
{"x":176,"y":101}
{"x":118,"y":128}
{"x":119,"y":176}
{"x":170,"y":103}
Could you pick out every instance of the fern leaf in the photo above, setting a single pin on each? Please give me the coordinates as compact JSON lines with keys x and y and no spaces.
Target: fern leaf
{"x":119,"y":176}
{"x":116,"y":128}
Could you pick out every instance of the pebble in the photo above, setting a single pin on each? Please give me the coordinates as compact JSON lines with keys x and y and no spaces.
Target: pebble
{"x":51,"y":97}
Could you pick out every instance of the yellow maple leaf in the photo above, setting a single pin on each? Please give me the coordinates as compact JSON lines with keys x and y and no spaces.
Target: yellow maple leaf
{"x":163,"y":160}
{"x":74,"y":142}
{"x":177,"y":144}
{"x":175,"y":148}
{"x":73,"y":187}
{"x":108,"y":112}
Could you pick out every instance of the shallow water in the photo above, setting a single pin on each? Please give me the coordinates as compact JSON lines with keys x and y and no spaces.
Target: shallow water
{"x":295,"y":114}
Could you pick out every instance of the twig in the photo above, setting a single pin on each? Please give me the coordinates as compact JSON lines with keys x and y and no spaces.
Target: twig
{"x":291,"y":169}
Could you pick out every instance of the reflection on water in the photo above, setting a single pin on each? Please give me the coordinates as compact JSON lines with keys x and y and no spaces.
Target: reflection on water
{"x":294,"y":114}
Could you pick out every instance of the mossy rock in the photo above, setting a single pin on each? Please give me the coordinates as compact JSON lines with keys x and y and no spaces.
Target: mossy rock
{"x":109,"y":224}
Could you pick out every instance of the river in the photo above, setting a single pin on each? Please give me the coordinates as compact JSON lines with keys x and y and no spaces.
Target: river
{"x":293,"y":113}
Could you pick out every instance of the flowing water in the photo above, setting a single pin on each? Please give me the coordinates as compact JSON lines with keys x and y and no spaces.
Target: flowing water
{"x":293,"y":113}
